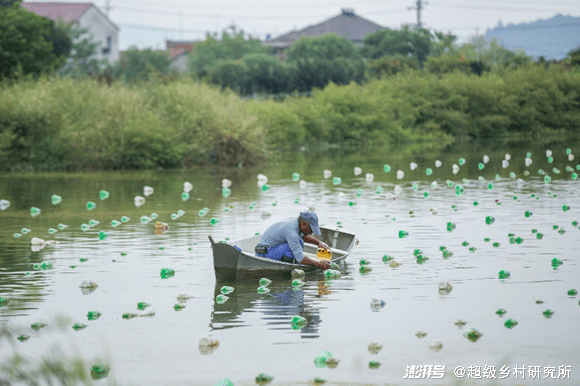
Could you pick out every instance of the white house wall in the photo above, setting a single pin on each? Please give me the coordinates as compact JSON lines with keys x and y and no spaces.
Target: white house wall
{"x":100,"y":28}
{"x":180,"y":64}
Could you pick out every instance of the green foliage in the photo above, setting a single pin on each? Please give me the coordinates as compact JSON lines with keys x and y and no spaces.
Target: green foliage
{"x":80,"y":60}
{"x":542,"y":99}
{"x":233,"y":46}
{"x":314,"y":62}
{"x":140,"y":65}
{"x":326,"y":47}
{"x":8,"y":3}
{"x":265,"y":73}
{"x":61,"y":42}
{"x":285,"y":127}
{"x":475,"y":57}
{"x":418,"y":106}
{"x":229,"y":74}
{"x":255,"y":73}
{"x":529,"y":100}
{"x":66,"y":123}
{"x":446,"y":64}
{"x":26,"y":43}
{"x":573,"y":57}
{"x":406,"y":41}
{"x":443,"y":44}
{"x":493,"y":55}
{"x":391,"y":65}
{"x":350,"y":115}
{"x":54,"y":367}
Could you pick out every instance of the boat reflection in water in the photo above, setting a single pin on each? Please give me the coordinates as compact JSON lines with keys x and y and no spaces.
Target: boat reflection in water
{"x":277,"y":306}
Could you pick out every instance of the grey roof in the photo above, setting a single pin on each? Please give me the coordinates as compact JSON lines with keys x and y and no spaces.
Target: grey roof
{"x":347,"y":24}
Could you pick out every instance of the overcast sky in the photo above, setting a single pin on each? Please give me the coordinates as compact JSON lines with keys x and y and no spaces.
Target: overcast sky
{"x":148,"y":23}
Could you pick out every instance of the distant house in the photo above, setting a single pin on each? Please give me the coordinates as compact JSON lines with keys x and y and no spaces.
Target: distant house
{"x":353,"y":27}
{"x":178,"y":52}
{"x":86,"y":15}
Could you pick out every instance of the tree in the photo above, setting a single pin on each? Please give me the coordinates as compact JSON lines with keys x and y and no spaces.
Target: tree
{"x":478,"y":56}
{"x":136,"y":65}
{"x":81,"y":59}
{"x":317,"y":61}
{"x":443,"y":44}
{"x":26,"y":43}
{"x":407,"y":41}
{"x":7,"y":3}
{"x":254,"y":73}
{"x":391,"y":65}
{"x":448,"y":63}
{"x":492,"y":55}
{"x":61,"y":42}
{"x":573,"y":57}
{"x":233,"y":46}
{"x":265,"y":73}
{"x":229,"y":74}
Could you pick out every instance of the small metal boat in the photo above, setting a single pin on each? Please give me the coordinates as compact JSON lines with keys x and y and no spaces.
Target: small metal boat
{"x":232,"y":264}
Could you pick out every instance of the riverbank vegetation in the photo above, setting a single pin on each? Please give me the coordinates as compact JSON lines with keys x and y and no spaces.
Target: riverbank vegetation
{"x":65,"y":123}
{"x":403,"y":86}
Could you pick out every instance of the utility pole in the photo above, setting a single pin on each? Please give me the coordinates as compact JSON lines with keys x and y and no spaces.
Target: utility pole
{"x":418,"y":6}
{"x":108,"y":7}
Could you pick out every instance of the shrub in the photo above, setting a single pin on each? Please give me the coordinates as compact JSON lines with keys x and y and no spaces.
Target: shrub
{"x":50,"y":125}
{"x":391,"y":65}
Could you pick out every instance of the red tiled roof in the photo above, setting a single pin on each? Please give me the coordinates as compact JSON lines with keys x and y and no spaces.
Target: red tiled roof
{"x":67,"y":11}
{"x":179,"y":48}
{"x":186,"y":45}
{"x":176,"y":51}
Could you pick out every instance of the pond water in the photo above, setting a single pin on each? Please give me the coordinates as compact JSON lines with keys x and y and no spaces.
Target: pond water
{"x":254,"y":330}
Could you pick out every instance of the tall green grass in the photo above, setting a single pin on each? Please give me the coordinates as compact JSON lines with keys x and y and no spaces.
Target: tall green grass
{"x":54,"y":367}
{"x":418,"y":106}
{"x":61,"y":123}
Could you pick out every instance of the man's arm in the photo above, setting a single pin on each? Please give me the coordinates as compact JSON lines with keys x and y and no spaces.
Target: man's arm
{"x":311,"y":240}
{"x":323,"y":265}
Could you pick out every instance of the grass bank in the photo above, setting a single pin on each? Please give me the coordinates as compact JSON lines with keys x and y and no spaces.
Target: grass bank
{"x":65,"y":124}
{"x":417,"y":106}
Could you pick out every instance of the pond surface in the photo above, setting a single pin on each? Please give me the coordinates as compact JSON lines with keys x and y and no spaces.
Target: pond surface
{"x":254,"y":330}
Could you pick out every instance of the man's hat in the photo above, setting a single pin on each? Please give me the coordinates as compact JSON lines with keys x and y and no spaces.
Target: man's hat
{"x":312,"y":219}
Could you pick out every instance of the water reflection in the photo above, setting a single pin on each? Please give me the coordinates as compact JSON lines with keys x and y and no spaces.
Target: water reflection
{"x":127,"y":264}
{"x":276,"y":307}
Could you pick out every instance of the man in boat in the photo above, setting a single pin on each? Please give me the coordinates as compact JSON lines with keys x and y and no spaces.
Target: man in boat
{"x":285,"y":240}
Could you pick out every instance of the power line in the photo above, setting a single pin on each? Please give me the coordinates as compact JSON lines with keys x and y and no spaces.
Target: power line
{"x":199,"y":15}
{"x":400,"y":10}
{"x":194,"y":31}
{"x":161,"y":29}
{"x":295,"y":6}
{"x":285,"y":17}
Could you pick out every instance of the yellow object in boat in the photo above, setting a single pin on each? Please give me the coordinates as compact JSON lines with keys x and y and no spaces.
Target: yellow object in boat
{"x":323,"y":254}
